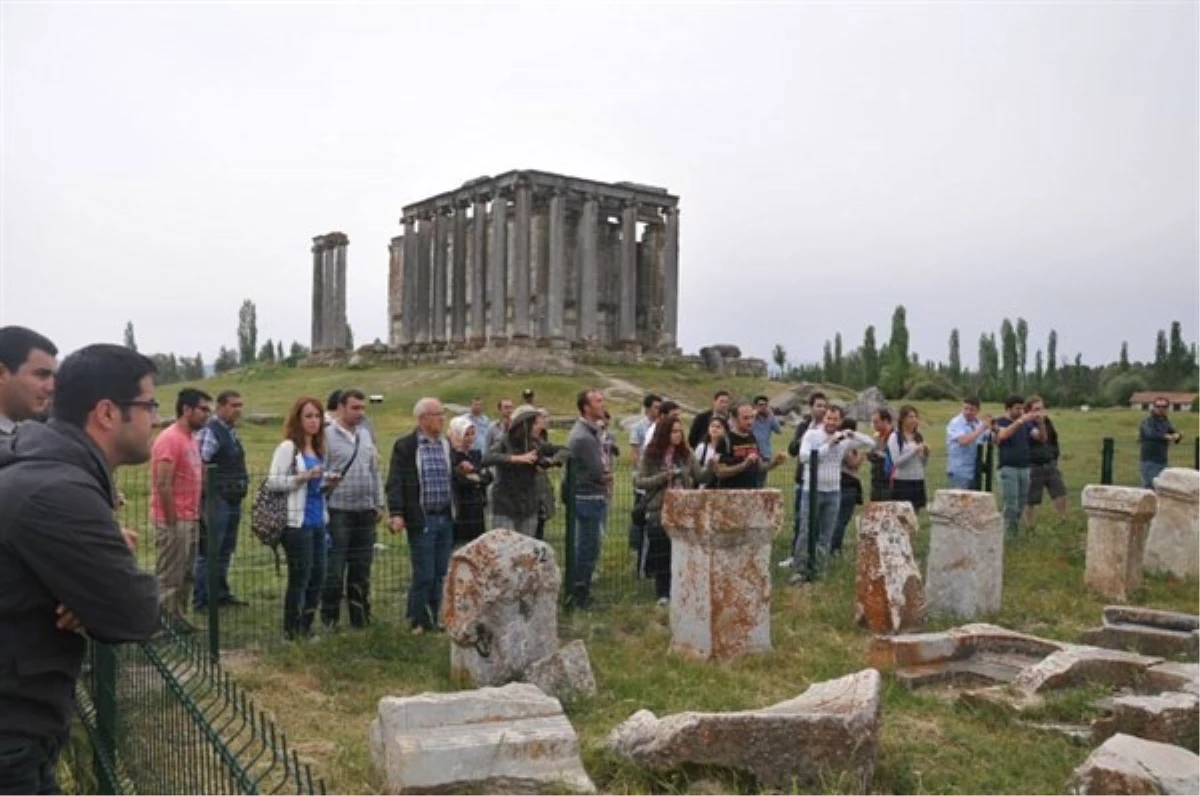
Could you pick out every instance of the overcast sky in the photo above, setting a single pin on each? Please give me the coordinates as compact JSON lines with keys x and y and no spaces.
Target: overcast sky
{"x":163,"y":162}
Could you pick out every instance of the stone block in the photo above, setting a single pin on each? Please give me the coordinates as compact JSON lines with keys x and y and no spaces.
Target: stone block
{"x":889,"y":594}
{"x":1118,"y":521}
{"x":500,"y":607}
{"x":1172,"y":718}
{"x":965,"y":570}
{"x":510,"y":739}
{"x":1127,"y":765}
{"x":1173,"y":542}
{"x":1169,"y":676}
{"x":720,"y":570}
{"x":1079,"y":665}
{"x":565,"y":674}
{"x":828,"y":733}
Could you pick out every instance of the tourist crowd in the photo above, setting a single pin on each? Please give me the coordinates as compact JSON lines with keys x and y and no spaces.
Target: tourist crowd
{"x":67,"y":565}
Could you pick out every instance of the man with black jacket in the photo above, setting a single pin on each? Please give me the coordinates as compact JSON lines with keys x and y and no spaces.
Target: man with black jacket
{"x":64,"y":563}
{"x":1044,"y":475}
{"x":220,"y":445}
{"x":420,"y":502}
{"x":699,"y":428}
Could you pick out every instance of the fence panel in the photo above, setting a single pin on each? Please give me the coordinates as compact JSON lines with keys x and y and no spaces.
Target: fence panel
{"x":161,"y":717}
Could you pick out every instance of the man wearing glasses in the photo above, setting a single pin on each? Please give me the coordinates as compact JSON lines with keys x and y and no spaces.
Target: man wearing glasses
{"x":1155,"y":435}
{"x":64,"y":563}
{"x":177,"y":478}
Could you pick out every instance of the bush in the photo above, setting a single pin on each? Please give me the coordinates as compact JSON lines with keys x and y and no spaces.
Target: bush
{"x":1118,"y":389}
{"x":932,"y":388}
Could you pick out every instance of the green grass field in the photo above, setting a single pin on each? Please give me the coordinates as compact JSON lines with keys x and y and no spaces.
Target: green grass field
{"x":324,"y":695}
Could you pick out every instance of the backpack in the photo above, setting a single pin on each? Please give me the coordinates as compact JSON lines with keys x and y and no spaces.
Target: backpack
{"x":269,"y":516}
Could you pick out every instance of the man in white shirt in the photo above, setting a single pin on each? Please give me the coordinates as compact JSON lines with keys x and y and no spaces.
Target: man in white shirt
{"x":831,"y":446}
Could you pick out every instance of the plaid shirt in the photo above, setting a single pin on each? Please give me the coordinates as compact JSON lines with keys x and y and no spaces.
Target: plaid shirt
{"x":435,"y":474}
{"x":207,"y":440}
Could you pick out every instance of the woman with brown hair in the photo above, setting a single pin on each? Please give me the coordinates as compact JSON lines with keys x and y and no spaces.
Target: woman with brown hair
{"x":908,"y":453}
{"x":667,"y":463}
{"x":297,"y":468}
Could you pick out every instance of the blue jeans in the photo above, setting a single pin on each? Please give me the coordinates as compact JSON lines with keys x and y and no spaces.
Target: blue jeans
{"x":305,"y":549}
{"x":960,"y":481}
{"x":229,"y":516}
{"x":29,"y":765}
{"x":589,"y":519}
{"x":429,"y":551}
{"x":1150,"y":471}
{"x":828,"y":504}
{"x":1014,"y":488}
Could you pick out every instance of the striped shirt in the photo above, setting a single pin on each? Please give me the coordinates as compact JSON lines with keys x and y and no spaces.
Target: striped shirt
{"x":435,"y":474}
{"x":829,"y":456}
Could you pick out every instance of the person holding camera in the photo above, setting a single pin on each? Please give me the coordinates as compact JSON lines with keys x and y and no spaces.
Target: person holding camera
{"x":1155,"y":436}
{"x":1013,"y":433}
{"x":516,"y":460}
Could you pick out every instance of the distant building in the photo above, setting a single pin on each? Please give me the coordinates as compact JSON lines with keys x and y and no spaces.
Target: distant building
{"x":1180,"y":401}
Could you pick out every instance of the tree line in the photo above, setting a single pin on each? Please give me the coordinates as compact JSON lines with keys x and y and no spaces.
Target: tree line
{"x":1004,"y":367}
{"x":174,"y":368}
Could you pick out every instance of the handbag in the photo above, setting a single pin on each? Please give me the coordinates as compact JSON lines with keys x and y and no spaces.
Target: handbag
{"x":269,"y":516}
{"x":638,"y":515}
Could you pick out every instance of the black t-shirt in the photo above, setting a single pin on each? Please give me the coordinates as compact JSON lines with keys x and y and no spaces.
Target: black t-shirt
{"x":1014,"y":451}
{"x":734,"y":451}
{"x":1044,"y":451}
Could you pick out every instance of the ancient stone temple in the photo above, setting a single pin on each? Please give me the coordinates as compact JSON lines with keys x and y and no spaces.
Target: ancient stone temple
{"x":329,"y":292}
{"x":532,"y":258}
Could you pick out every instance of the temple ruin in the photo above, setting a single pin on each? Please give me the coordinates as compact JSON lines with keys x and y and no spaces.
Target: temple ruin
{"x":532,"y":258}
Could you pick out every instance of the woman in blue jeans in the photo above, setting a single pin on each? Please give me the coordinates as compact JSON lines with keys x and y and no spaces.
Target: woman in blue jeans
{"x":297,"y":468}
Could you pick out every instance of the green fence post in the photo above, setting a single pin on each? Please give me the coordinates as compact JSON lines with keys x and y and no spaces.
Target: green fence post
{"x":812,"y":516}
{"x":1196,"y":465}
{"x":977,"y":479}
{"x":568,"y":495}
{"x":212,"y":574}
{"x":1106,"y":461}
{"x":988,"y":461}
{"x":104,"y":698}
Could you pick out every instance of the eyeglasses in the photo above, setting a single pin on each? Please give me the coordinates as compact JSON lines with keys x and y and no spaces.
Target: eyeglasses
{"x":1160,"y":406}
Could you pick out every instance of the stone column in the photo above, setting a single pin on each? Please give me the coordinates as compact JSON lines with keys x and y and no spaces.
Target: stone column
{"x":670,"y":288}
{"x":479,"y":272}
{"x":627,"y":310}
{"x":589,"y":270}
{"x":721,"y":570}
{"x":318,"y":292}
{"x":328,"y":292}
{"x":555,"y":296}
{"x":1118,"y":521}
{"x":498,"y":272}
{"x":424,"y":318}
{"x":1173,"y":545}
{"x":521,"y":331}
{"x":965,"y":571}
{"x":540,"y":264}
{"x":889,"y":595}
{"x":409,"y":298}
{"x":458,"y":291}
{"x":396,"y":334}
{"x":441,"y":233}
{"x":338,"y":337}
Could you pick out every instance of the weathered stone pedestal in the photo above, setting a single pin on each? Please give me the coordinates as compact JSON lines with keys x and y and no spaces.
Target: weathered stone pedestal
{"x":889,"y":594}
{"x":965,"y":573}
{"x":1173,"y":545}
{"x":1118,"y":521}
{"x":500,"y":607}
{"x":720,"y":570}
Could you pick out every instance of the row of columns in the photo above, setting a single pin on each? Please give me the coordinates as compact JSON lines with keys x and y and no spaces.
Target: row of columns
{"x":329,"y":326}
{"x":434,"y":249}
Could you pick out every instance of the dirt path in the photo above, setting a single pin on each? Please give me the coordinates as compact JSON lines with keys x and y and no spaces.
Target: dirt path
{"x":616,"y":386}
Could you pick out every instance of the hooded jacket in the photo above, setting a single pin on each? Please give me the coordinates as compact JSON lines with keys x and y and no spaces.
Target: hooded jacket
{"x":60,"y":544}
{"x":517,"y":493}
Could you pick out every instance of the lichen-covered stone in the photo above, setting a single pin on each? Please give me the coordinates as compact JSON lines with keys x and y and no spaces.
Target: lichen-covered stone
{"x":1118,"y":521}
{"x":500,"y":607}
{"x":1127,"y":765}
{"x":565,"y":674}
{"x":889,"y":594}
{"x":965,"y":570}
{"x":720,"y":570}
{"x":828,"y":732}
{"x":1173,"y":542}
